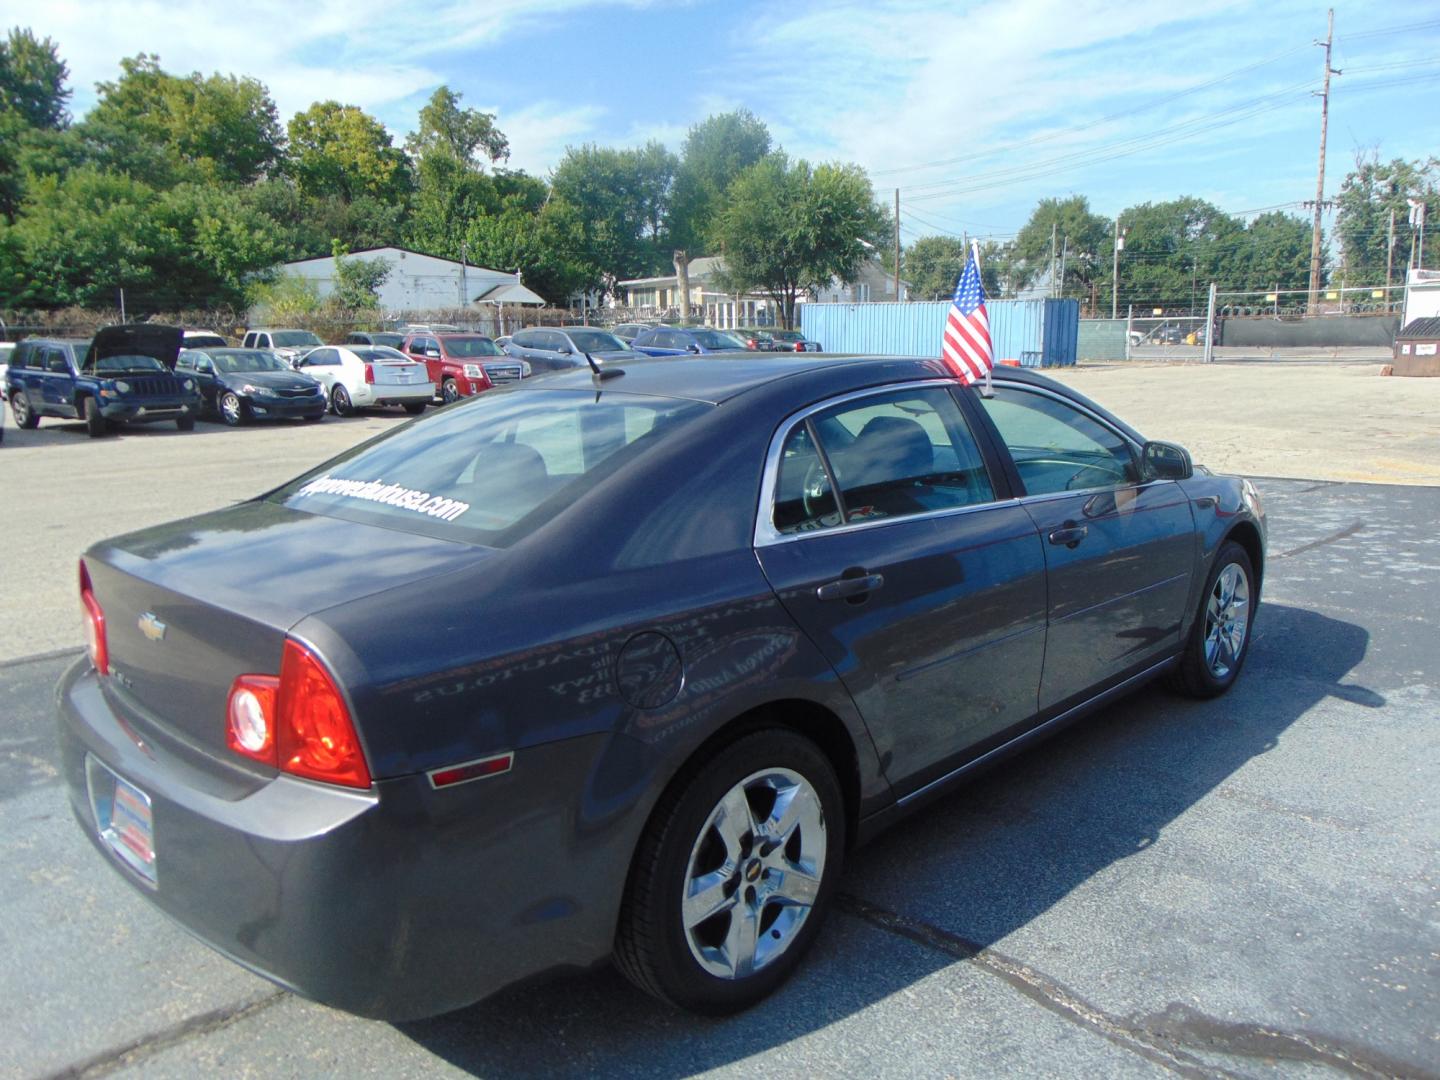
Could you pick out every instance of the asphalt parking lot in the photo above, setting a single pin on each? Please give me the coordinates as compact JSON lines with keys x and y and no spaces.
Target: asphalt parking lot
{"x":1245,"y":887}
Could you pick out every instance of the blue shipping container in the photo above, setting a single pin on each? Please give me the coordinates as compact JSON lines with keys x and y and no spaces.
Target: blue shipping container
{"x":1036,"y":333}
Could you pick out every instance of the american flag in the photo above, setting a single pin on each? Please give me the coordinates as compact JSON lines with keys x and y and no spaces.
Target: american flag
{"x":966,"y":346}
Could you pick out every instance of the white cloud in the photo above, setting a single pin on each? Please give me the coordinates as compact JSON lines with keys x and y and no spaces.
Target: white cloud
{"x":539,"y":133}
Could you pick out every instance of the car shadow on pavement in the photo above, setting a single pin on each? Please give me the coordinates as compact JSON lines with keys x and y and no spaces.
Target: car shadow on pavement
{"x":982,"y":863}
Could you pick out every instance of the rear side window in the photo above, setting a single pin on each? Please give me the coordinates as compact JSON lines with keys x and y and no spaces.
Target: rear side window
{"x":888,"y":455}
{"x":493,"y":469}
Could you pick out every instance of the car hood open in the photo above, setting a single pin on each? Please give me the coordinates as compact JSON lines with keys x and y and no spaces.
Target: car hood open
{"x":137,"y":339}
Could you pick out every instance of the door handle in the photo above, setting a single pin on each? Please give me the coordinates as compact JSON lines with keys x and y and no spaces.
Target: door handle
{"x":1070,"y":534}
{"x":849,"y":588}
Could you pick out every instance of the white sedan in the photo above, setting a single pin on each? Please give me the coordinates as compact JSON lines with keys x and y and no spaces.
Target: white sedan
{"x":359,"y":376}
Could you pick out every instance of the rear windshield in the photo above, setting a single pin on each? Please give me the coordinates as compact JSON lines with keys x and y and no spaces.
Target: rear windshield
{"x":379,"y":352}
{"x":291,"y":338}
{"x":787,"y":335}
{"x":493,"y":469}
{"x":713,"y":339}
{"x":204,"y":341}
{"x":470,"y":346}
{"x":393,"y":340}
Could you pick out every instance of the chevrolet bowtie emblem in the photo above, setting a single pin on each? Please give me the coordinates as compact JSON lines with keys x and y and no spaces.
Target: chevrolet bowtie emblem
{"x":152,"y":627}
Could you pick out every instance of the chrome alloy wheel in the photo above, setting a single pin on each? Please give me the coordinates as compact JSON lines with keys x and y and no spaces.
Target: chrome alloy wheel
{"x":230,"y":410}
{"x":1227,"y":620}
{"x":754,"y":873}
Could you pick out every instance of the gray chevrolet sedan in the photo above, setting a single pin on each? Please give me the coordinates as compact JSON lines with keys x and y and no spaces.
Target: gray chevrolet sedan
{"x":617,"y":665}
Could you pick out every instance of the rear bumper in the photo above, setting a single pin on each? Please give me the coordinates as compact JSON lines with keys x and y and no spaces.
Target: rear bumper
{"x":381,"y":394}
{"x":396,"y":903}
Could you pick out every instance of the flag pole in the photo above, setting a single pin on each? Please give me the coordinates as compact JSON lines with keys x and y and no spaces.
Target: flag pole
{"x":987,"y":390}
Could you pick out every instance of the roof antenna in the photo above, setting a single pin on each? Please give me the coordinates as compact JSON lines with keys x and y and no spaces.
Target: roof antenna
{"x":602,"y":373}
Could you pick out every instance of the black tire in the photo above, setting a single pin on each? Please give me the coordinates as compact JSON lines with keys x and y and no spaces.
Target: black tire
{"x":415,"y":408}
{"x":449,"y":391}
{"x":1200,"y":675}
{"x":340,"y":401}
{"x":185,"y":423}
{"x":652,"y":948}
{"x":94,"y":420}
{"x":232,"y":408}
{"x":25,"y":417}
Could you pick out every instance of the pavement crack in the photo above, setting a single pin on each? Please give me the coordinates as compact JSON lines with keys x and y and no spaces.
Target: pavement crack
{"x":146,"y":1046}
{"x":1039,"y":988}
{"x":1344,"y":534}
{"x":1164,"y":1038}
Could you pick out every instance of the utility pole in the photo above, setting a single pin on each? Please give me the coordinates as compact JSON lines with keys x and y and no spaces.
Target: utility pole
{"x":1053,"y":231}
{"x":1389,"y":257}
{"x":1320,"y":179}
{"x":1115,"y":271}
{"x":1064,"y":257}
{"x":897,"y":243}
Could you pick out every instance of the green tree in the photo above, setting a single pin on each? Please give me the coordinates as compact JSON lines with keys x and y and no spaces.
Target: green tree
{"x":358,"y":281}
{"x":341,"y":150}
{"x":32,"y":80}
{"x":467,"y":135}
{"x":1369,"y":194}
{"x":223,"y":127}
{"x":1082,"y":236}
{"x":791,"y":228}
{"x":1174,"y":248}
{"x":1277,"y":252}
{"x":932,"y":265}
{"x":716,"y":151}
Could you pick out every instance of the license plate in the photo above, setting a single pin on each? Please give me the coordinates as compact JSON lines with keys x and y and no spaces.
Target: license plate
{"x":123,"y":818}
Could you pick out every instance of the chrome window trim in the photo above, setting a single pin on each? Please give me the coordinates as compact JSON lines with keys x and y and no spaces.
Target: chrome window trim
{"x":765,"y":533}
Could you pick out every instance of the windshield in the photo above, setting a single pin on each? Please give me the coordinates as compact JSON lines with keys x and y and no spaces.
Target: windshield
{"x":596,"y":341}
{"x":125,"y":363}
{"x":233,"y":360}
{"x":714,"y":339}
{"x":470,"y":346}
{"x":491,"y":470}
{"x":380,"y":353}
{"x":292,"y":338}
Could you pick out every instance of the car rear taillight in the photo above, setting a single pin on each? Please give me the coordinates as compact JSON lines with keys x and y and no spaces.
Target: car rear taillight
{"x":95,"y":643}
{"x":297,"y":723}
{"x":369,"y":373}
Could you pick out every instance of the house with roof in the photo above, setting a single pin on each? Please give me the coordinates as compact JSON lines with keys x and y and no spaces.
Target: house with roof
{"x":659,"y":297}
{"x":419,"y":282}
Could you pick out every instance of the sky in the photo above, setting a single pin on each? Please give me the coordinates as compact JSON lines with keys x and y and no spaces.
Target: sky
{"x":974,"y":111}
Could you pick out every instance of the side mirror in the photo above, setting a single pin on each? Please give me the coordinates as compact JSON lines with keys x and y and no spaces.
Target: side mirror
{"x":433,"y":353}
{"x":694,"y":349}
{"x":563,"y":350}
{"x":1165,"y":461}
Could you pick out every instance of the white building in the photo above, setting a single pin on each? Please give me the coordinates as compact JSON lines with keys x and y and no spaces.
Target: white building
{"x":422,"y":282}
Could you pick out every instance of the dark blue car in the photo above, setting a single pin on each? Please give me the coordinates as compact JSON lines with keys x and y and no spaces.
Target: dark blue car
{"x":123,"y":375}
{"x":620,"y":665}
{"x":679,"y":341}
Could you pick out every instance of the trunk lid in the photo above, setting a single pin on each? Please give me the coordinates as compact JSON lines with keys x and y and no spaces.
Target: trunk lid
{"x":192,"y":604}
{"x":399,"y":372}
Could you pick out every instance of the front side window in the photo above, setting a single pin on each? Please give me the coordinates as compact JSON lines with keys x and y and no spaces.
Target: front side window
{"x":1057,"y":447}
{"x":493,"y":469}
{"x":890,"y":455}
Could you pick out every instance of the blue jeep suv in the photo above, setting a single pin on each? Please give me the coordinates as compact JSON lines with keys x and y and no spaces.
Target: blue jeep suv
{"x":124,"y":374}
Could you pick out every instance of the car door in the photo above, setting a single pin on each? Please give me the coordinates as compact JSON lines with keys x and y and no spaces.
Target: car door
{"x":200,"y":368}
{"x":1119,"y":553}
{"x":322,"y":365}
{"x":57,"y":382}
{"x":900,"y":553}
